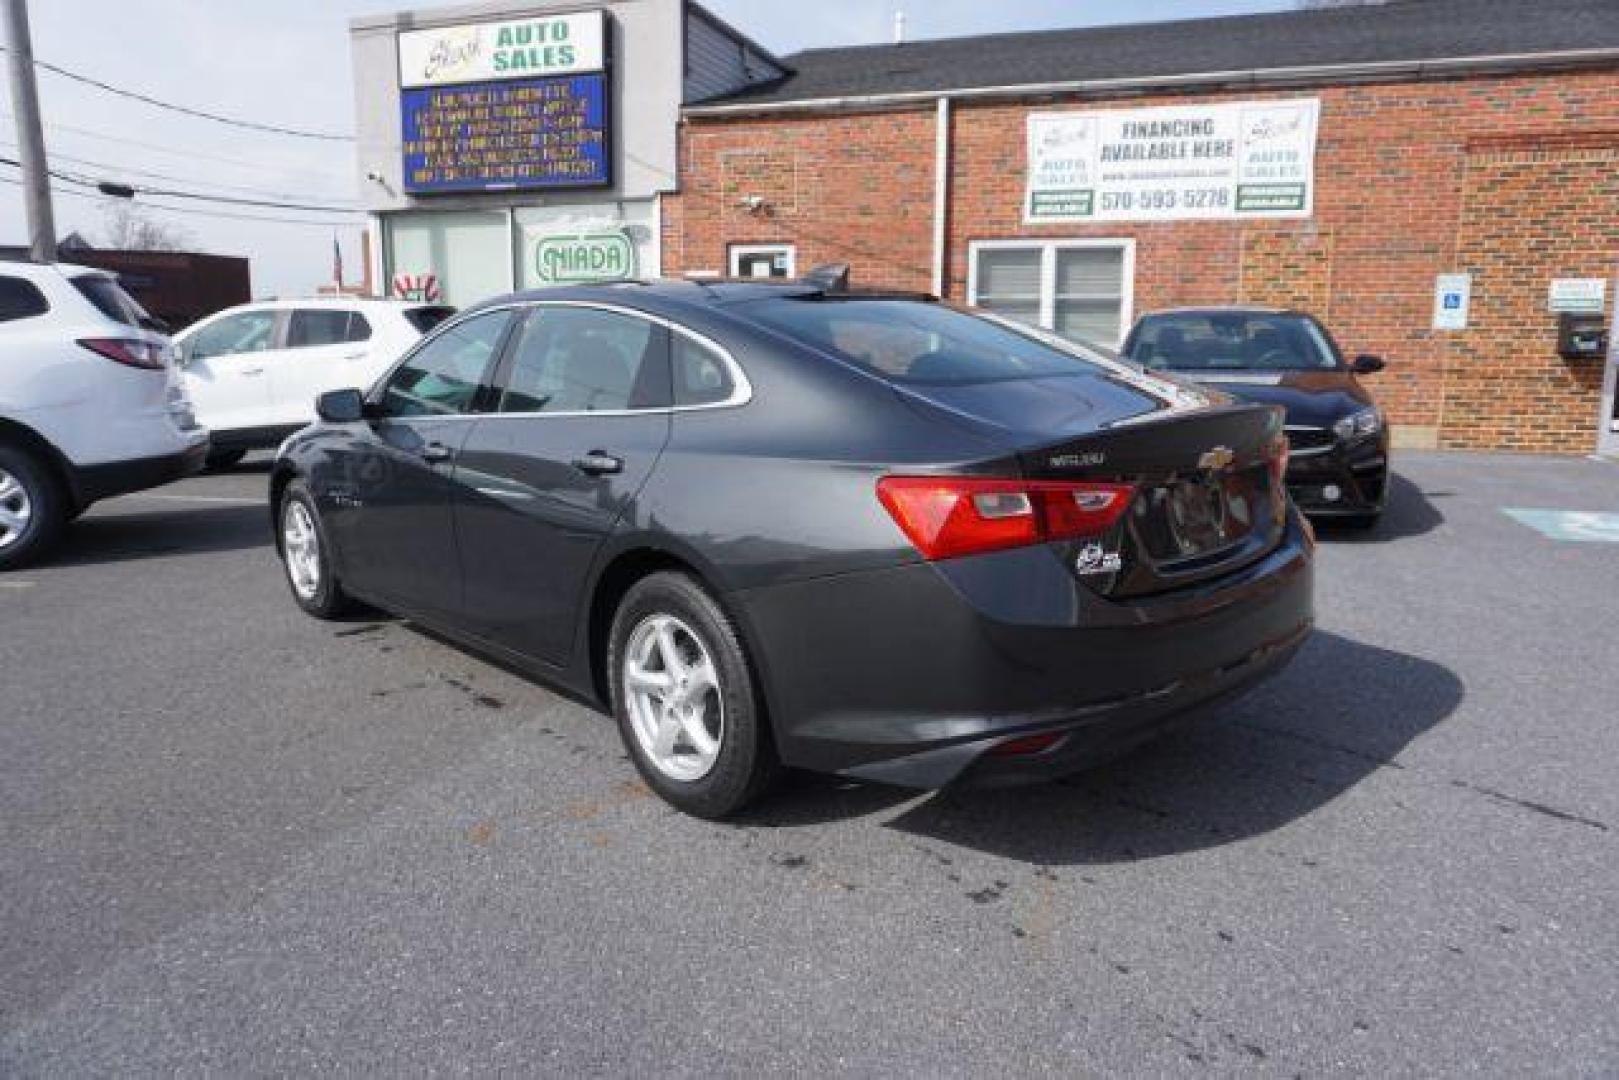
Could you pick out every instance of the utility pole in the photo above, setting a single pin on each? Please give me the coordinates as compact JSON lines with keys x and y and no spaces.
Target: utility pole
{"x":30,"y":136}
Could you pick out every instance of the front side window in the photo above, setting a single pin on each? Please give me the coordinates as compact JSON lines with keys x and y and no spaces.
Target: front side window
{"x":249,"y":331}
{"x":1232,"y":341}
{"x":443,"y":376}
{"x":20,"y":299}
{"x":576,"y":360}
{"x":911,"y":341}
{"x":1079,"y":291}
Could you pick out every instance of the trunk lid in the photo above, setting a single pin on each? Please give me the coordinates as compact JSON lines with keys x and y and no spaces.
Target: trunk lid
{"x":1208,"y":499}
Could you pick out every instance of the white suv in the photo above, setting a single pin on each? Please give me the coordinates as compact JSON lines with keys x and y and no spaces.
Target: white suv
{"x":254,"y":371}
{"x":90,"y":404}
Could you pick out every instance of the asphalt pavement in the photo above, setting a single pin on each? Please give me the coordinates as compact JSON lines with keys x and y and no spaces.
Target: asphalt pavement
{"x":234,"y":840}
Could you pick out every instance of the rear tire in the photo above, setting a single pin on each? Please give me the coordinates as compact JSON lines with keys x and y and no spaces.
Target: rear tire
{"x":306,"y":555}
{"x":220,"y":460}
{"x":33,"y":507}
{"x":694,"y":725}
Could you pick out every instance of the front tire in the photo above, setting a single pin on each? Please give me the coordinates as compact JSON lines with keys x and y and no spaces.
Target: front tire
{"x":685,"y":699}
{"x":33,"y":508}
{"x":306,"y":555}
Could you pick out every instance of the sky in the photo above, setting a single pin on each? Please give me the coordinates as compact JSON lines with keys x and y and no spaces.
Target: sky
{"x":286,"y":62}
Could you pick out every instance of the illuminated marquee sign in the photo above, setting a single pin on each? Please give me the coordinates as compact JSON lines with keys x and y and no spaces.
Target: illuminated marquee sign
{"x":504,"y":106}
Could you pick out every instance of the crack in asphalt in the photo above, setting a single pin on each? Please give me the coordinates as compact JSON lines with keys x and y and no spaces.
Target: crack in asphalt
{"x":1528,"y":804}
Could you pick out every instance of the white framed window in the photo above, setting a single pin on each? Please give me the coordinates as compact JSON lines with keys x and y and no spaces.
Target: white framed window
{"x":763,"y":261}
{"x":1080,"y":289}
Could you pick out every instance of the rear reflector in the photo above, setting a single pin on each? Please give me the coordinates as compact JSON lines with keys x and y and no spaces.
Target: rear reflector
{"x":131,"y":352}
{"x":949,"y":516}
{"x":1027,"y":745}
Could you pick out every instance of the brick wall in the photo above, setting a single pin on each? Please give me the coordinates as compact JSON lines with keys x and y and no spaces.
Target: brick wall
{"x":1509,"y":178}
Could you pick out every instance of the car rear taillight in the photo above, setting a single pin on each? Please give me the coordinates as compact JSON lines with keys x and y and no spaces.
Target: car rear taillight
{"x":950,"y":516}
{"x":132,"y":352}
{"x":1028,"y":745}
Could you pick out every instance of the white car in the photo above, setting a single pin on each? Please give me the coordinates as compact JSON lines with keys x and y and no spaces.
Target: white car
{"x":254,"y":371}
{"x":90,"y":402}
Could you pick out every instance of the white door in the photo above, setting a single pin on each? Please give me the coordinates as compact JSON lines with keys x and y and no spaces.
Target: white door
{"x":227,"y":366}
{"x":326,"y":349}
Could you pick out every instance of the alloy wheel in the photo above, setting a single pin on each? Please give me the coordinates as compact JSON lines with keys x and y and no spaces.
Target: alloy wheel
{"x":16,"y":510}
{"x":300,"y":545}
{"x":672,"y":688}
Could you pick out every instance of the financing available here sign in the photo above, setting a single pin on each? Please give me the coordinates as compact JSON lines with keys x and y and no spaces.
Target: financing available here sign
{"x":1175,"y":163}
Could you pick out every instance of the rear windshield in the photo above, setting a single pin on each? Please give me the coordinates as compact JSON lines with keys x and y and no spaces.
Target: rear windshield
{"x":425,"y":318}
{"x":910,"y":341}
{"x":110,"y":299}
{"x":1232,"y":341}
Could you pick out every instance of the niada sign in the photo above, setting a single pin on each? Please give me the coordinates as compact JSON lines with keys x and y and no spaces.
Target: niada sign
{"x":589,"y":257}
{"x":1178,"y":163}
{"x":573,"y":44}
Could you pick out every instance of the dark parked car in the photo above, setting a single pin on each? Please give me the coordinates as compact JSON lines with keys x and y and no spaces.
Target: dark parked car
{"x":1339,"y":466}
{"x":780,"y":525}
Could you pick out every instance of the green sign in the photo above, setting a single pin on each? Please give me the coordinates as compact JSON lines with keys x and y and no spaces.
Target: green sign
{"x":578,"y":260}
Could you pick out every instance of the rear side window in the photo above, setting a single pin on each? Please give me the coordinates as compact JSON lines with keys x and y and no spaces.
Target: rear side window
{"x":20,"y":299}
{"x":909,"y":341}
{"x":322,"y":326}
{"x":701,"y":375}
{"x":425,"y":318}
{"x":110,"y":299}
{"x":574,"y":360}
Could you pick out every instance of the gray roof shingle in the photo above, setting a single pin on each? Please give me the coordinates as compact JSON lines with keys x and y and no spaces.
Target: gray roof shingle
{"x":1401,"y":30}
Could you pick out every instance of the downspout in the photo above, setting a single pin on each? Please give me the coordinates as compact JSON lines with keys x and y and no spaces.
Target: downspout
{"x":941,"y":195}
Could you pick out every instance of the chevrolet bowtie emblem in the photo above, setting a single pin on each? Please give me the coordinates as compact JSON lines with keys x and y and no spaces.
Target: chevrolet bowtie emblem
{"x":1218,"y":458}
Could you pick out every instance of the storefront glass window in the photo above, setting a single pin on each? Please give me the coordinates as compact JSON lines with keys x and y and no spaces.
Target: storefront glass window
{"x":561,"y":245}
{"x":463,"y":250}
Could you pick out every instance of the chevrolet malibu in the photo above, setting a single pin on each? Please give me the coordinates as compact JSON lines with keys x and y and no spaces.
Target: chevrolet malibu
{"x":795,"y":526}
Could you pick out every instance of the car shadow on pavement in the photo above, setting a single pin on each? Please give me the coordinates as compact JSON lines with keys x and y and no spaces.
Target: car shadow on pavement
{"x":1342,"y":711}
{"x":1410,"y":512}
{"x":110,"y":538}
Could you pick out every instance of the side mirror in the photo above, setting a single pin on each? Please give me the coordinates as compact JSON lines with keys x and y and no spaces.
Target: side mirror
{"x":340,"y":406}
{"x":1367,"y":365}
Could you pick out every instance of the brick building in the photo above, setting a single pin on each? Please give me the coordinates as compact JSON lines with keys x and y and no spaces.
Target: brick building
{"x":1420,"y":140}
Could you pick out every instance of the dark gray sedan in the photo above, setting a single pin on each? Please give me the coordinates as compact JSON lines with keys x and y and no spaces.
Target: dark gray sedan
{"x":787,"y":525}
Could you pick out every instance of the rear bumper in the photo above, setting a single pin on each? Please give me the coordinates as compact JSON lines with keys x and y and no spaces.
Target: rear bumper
{"x":93,"y":482}
{"x":911,"y":675}
{"x":1358,"y":472}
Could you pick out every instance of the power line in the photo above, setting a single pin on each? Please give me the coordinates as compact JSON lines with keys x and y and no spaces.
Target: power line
{"x":186,"y":110}
{"x":126,"y":170}
{"x":193,"y":211}
{"x":187,"y":155}
{"x":168,"y":193}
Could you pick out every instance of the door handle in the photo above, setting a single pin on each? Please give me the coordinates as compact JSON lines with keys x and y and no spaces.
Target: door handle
{"x":361,"y":355}
{"x":599,"y":463}
{"x":436,"y":452}
{"x":253,"y":371}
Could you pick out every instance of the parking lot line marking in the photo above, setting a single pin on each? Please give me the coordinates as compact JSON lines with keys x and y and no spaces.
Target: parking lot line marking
{"x":1577,"y":525}
{"x":16,"y":584}
{"x":234,"y":500}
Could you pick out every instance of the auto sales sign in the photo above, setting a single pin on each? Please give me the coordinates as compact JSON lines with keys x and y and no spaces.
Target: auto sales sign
{"x":1178,"y":163}
{"x":509,"y":105}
